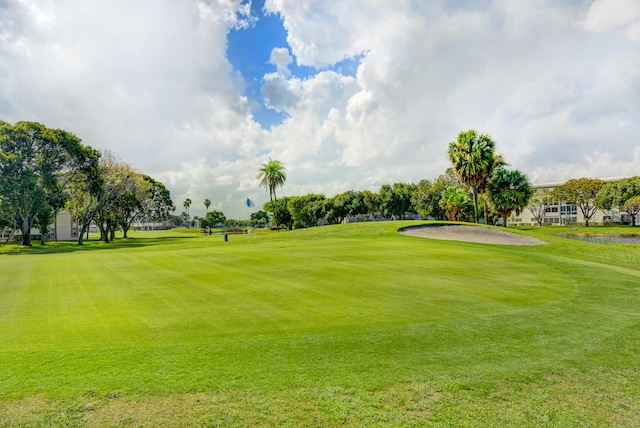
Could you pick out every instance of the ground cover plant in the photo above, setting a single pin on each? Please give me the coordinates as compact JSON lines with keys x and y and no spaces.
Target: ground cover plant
{"x":338,"y":325}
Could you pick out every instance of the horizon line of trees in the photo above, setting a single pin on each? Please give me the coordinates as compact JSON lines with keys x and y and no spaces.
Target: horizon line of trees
{"x":43,"y":171}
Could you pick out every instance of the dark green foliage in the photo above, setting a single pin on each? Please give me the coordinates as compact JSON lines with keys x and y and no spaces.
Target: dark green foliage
{"x":509,"y":191}
{"x":396,"y":200}
{"x":35,"y":164}
{"x":473,"y":159}
{"x":457,"y":204}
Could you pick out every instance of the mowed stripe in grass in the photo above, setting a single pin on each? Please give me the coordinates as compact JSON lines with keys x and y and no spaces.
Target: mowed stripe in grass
{"x":341,"y":311}
{"x":111,"y":298}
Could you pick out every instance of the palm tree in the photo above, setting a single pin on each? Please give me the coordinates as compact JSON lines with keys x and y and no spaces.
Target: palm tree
{"x":207,"y":204}
{"x":509,"y":191}
{"x":498,"y":162}
{"x":272,"y":175}
{"x":187,"y":204}
{"x":473,"y":158}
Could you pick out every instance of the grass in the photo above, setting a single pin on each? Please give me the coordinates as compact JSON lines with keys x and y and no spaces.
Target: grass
{"x":339,"y":325}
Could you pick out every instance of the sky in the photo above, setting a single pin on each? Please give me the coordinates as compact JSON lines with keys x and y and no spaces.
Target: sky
{"x":348,"y":94}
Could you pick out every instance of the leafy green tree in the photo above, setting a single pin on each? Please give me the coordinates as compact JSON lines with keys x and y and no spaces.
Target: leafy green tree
{"x":303,"y":210}
{"x":509,"y":190}
{"x":582,"y":192}
{"x":87,"y":193}
{"x":207,"y":204}
{"x":345,"y":205}
{"x":157,"y":203}
{"x":259,"y":217}
{"x":615,"y":194}
{"x":119,"y":195}
{"x":473,"y":159}
{"x":35,"y":164}
{"x":396,"y":200}
{"x":456,"y":204}
{"x":279,"y":207}
{"x":272,"y":175}
{"x":215,"y":218}
{"x":371,"y":201}
{"x":540,"y":200}
{"x":632,"y":207}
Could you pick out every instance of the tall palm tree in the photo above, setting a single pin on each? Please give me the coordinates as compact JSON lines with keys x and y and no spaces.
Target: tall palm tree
{"x":187,"y":204}
{"x":272,"y":175}
{"x":207,"y":204}
{"x":498,"y":163}
{"x":509,"y":191}
{"x":472,"y":157}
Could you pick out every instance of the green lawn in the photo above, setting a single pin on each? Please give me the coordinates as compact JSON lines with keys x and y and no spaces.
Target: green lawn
{"x":338,"y":325}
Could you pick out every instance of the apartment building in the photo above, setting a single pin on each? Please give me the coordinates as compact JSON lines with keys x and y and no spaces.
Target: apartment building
{"x":562,"y":213}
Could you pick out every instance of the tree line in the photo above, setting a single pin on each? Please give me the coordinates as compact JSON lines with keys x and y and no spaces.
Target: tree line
{"x":43,"y":171}
{"x":477,"y":180}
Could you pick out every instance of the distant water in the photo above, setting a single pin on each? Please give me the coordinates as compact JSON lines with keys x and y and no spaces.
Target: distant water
{"x":603,"y":238}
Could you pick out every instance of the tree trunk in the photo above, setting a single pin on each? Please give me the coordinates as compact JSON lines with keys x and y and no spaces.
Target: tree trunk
{"x":505,"y":222}
{"x":486,"y":214}
{"x":475,"y":203}
{"x":25,"y":227}
{"x":81,"y":234}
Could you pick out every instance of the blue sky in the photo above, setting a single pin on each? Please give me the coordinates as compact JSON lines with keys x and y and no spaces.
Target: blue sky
{"x":249,"y":51}
{"x":348,"y":94}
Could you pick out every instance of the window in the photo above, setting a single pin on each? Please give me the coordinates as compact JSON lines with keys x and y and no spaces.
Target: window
{"x":569,"y":209}
{"x":551,"y":209}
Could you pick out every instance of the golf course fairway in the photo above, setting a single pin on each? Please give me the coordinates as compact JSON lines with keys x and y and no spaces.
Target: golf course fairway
{"x":346,"y":325}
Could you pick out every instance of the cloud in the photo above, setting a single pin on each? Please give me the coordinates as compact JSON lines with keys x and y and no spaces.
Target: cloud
{"x":281,"y":59}
{"x":556,"y":84}
{"x":605,"y":15}
{"x":523,"y":72}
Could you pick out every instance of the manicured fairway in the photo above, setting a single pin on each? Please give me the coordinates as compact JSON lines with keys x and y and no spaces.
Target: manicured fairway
{"x":350,"y":324}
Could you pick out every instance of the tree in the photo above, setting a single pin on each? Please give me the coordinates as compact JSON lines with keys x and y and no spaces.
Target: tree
{"x":35,"y":164}
{"x":260,"y":217}
{"x":616,"y":193}
{"x":498,"y":162}
{"x":272,"y":175}
{"x":187,"y":204}
{"x":215,"y":218}
{"x":158,"y":203}
{"x":582,"y":192}
{"x":118,"y":180}
{"x":632,"y":207}
{"x":279,"y":207}
{"x":456,"y":204}
{"x":207,"y":204}
{"x":87,"y":193}
{"x":509,"y":190}
{"x":396,"y":200}
{"x":303,"y":210}
{"x":371,"y":202}
{"x":538,"y":204}
{"x":344,"y":205}
{"x":473,"y":159}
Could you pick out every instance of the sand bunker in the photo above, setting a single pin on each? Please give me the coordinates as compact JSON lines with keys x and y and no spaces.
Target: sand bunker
{"x":479,"y":234}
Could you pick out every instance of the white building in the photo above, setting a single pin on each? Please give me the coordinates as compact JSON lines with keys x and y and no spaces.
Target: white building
{"x":561,"y":213}
{"x":64,"y":228}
